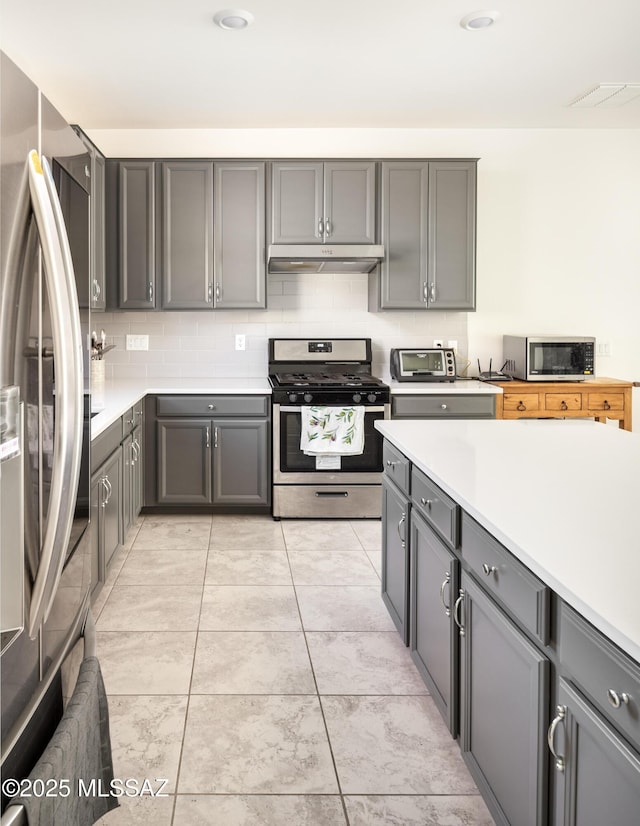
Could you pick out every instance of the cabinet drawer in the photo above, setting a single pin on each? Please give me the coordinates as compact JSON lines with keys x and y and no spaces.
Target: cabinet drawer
{"x":563,"y":401}
{"x":521,"y":402}
{"x":525,"y":596}
{"x":442,"y":406}
{"x":606,"y":401}
{"x":435,"y":506}
{"x":103,"y":445}
{"x":396,"y":466}
{"x":212,"y":406}
{"x":602,"y":671}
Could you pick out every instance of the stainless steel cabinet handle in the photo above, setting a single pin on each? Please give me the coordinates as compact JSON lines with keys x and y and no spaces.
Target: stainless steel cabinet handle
{"x":218,"y":291}
{"x":489,"y":569}
{"x":447,"y":582}
{"x":320,"y":230}
{"x":390,"y":463}
{"x":136,"y":449}
{"x":96,"y":289}
{"x":561,"y":712}
{"x":327,"y":227}
{"x":151,"y":291}
{"x":211,"y":406}
{"x":616,"y":699}
{"x":210,"y":293}
{"x":215,"y":437}
{"x":105,"y":491}
{"x":426,"y":503}
{"x":425,"y":292}
{"x":400,"y":523}
{"x":457,"y":612}
{"x":432,"y":293}
{"x":109,"y":490}
{"x":207,"y":443}
{"x":443,"y":406}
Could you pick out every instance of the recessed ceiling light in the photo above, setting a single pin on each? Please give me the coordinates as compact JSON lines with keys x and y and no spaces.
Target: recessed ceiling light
{"x":233,"y":19}
{"x":479,"y":20}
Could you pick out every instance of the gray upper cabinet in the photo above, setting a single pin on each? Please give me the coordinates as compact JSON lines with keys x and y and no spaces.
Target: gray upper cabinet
{"x":131,"y":233}
{"x":323,"y":202}
{"x":187,"y":235}
{"x":428,"y":229}
{"x":98,"y":277}
{"x":239,"y":236}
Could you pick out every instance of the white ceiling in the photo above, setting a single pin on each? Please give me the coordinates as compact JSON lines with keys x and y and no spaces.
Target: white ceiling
{"x":125,"y":64}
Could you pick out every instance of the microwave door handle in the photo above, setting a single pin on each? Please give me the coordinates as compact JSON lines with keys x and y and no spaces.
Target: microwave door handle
{"x":68,"y":403}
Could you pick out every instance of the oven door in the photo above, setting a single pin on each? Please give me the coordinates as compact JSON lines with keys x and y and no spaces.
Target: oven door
{"x":292,"y":466}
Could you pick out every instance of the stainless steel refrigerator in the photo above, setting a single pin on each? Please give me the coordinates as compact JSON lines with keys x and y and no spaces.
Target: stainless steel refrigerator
{"x":44,"y":415}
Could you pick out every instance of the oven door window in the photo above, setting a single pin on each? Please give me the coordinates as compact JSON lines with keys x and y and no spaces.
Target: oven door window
{"x":293,"y":460}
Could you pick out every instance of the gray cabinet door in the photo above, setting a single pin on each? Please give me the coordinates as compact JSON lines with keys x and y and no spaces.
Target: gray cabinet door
{"x":504,"y":700}
{"x":138,"y":473}
{"x":98,"y":276}
{"x":241,"y":462}
{"x":111,"y":506}
{"x":404,"y":214}
{"x":297,"y":203}
{"x":600,"y":778}
{"x":433,"y":634}
{"x":349,"y":202}
{"x":239,"y":236}
{"x":187,"y":235}
{"x":127,"y":485}
{"x":184,"y":461}
{"x":452,"y":235}
{"x":136,"y":242}
{"x":395,"y":556}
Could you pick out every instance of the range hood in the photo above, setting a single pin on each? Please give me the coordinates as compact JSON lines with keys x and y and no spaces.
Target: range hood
{"x":319,"y":258}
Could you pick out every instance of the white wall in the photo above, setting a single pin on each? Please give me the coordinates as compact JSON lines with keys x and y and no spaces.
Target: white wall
{"x":558,"y":238}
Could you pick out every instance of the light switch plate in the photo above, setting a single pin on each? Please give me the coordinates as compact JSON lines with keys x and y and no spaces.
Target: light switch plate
{"x":137,"y":342}
{"x":240,"y":341}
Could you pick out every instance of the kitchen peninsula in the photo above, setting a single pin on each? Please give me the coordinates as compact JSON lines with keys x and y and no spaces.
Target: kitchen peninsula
{"x":511,"y":571}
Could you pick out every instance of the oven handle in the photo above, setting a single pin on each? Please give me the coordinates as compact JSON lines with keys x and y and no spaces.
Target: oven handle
{"x":287,"y":409}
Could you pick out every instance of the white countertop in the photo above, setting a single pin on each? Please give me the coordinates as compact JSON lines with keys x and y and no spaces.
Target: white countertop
{"x":468,"y":387}
{"x":112,"y":398}
{"x":561,"y":495}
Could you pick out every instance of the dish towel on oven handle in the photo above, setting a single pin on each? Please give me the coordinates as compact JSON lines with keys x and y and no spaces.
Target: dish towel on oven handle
{"x":337,"y":431}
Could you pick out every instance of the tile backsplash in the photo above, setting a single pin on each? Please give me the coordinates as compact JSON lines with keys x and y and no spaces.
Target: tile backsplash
{"x":201,"y":344}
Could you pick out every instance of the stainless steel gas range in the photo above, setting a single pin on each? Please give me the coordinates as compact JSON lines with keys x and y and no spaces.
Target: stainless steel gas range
{"x":324,"y":378}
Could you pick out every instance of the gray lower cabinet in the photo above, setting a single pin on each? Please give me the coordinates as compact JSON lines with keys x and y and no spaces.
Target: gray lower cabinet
{"x":131,"y":233}
{"x":504,"y":701}
{"x":395,"y":555}
{"x":186,"y":231}
{"x":596,"y":772}
{"x":316,"y":203}
{"x":442,"y":406}
{"x":434,"y":639}
{"x":106,"y":516}
{"x":428,"y":229}
{"x":132,"y":465}
{"x":202,"y":460}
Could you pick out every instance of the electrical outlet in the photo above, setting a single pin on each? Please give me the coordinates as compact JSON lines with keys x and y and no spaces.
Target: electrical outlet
{"x":603,"y":348}
{"x":240,"y":341}
{"x":437,"y":342}
{"x":137,"y":342}
{"x":453,"y":343}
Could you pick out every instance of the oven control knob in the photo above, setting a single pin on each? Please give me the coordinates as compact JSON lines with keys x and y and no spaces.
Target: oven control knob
{"x":308,"y":397}
{"x":357,"y":398}
{"x":293,"y":397}
{"x":371,"y":397}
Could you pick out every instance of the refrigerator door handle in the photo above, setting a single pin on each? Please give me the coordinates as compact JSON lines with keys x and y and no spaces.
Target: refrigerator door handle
{"x":67,"y":343}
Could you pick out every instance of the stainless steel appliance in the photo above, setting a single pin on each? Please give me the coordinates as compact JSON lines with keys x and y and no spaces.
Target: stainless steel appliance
{"x":318,"y":258}
{"x":44,"y":415}
{"x":325,"y":373}
{"x":428,"y":364}
{"x":549,"y":358}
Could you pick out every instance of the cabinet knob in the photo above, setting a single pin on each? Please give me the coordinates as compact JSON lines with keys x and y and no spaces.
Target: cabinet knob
{"x":443,"y":406}
{"x":426,"y":503}
{"x":489,"y":569}
{"x":390,"y":463}
{"x":616,"y":699}
{"x":211,"y":406}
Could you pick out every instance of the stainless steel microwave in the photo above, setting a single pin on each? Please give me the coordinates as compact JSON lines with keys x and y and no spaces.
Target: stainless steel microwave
{"x":549,"y":358}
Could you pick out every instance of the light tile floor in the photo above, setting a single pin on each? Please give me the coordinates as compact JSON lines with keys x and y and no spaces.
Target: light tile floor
{"x":252,"y":664}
